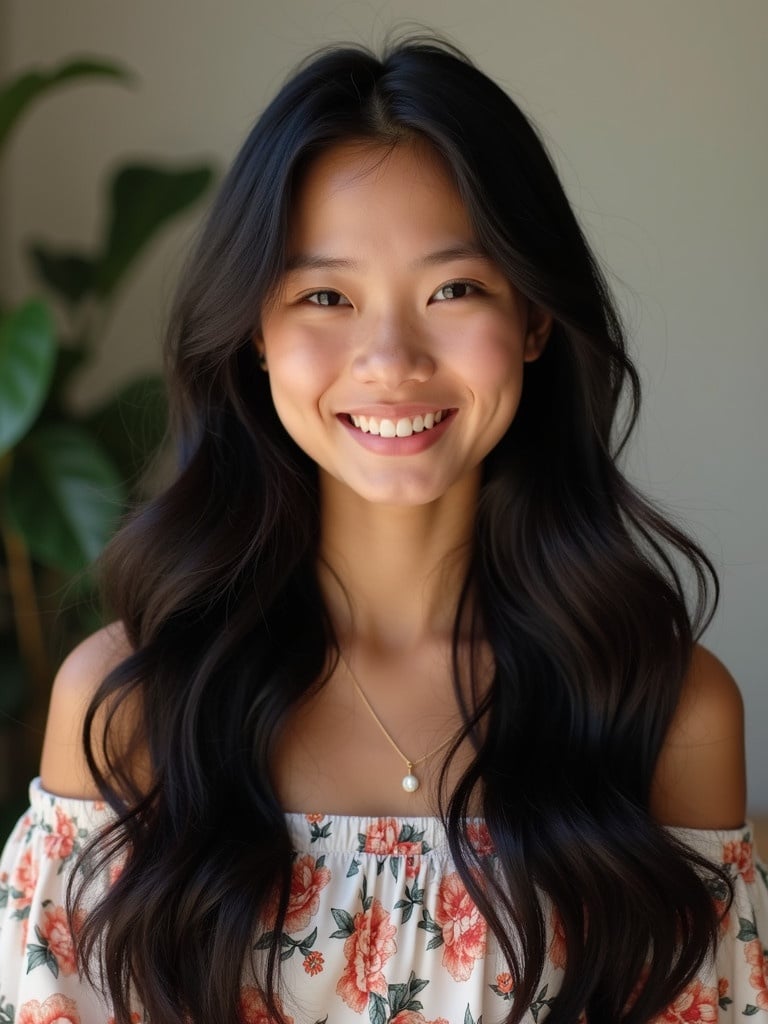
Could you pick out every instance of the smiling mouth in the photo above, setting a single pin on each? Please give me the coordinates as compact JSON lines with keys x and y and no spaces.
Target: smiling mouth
{"x":402,"y":427}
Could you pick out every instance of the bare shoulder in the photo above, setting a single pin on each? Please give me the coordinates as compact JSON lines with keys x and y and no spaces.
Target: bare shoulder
{"x":63,"y":767}
{"x":700,"y":779}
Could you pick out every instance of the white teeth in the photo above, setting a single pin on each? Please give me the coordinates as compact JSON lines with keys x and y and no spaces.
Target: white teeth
{"x":403,"y":427}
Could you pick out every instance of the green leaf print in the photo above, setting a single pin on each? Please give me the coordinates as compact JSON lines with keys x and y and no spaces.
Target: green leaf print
{"x":316,"y":832}
{"x":377,"y":1009}
{"x":3,"y":903}
{"x":365,"y":899}
{"x":469,"y":1019}
{"x":7,"y":1012}
{"x":402,"y":996}
{"x":413,"y":897}
{"x":265,"y":941}
{"x":394,"y":866}
{"x":540,"y":1002}
{"x":305,"y":945}
{"x":354,"y":867}
{"x":344,"y":921}
{"x":429,"y":924}
{"x":409,"y":834}
{"x":749,"y":1010}
{"x":747,"y":930}
{"x":398,"y":997}
{"x":39,"y":955}
{"x":717,"y":889}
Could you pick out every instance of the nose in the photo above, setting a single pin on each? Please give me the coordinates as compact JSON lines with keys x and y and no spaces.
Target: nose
{"x":392,"y":352}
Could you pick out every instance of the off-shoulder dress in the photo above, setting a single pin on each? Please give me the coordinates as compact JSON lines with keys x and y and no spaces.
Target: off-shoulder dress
{"x":380,"y":928}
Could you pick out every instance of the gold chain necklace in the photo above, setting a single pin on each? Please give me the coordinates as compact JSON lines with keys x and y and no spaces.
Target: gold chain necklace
{"x":410,"y":782}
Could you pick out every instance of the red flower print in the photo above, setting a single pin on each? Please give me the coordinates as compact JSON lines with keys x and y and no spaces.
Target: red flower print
{"x":698,"y":1004}
{"x":56,"y":929}
{"x":740,"y":853}
{"x":480,"y":838}
{"x":758,"y":976}
{"x":306,"y":882}
{"x":504,"y":982}
{"x":56,"y":1009}
{"x":314,"y":819}
{"x":463,"y":927}
{"x":313,"y":962}
{"x":381,"y":837}
{"x":412,"y":854}
{"x":60,"y":844}
{"x":367,"y":949}
{"x":253,"y":1009}
{"x":557,"y":945}
{"x":25,"y":879}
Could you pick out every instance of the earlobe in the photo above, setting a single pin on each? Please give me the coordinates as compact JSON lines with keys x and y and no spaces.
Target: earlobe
{"x":539,"y":327}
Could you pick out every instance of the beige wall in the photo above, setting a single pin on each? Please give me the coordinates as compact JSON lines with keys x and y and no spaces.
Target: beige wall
{"x":656,"y":115}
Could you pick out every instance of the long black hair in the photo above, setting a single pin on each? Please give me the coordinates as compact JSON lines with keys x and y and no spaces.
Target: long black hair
{"x":576,"y":582}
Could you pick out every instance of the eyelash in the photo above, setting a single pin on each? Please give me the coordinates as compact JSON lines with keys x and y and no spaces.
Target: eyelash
{"x":310,"y":296}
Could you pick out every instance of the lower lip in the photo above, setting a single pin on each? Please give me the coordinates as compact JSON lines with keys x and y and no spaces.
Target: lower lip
{"x":399,"y":445}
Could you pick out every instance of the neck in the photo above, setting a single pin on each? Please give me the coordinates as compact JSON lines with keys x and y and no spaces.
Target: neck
{"x":391,"y":576}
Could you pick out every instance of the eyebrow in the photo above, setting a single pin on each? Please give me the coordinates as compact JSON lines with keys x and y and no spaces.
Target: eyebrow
{"x":317,"y":261}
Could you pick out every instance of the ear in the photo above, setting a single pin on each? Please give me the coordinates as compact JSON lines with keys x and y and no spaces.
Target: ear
{"x":261,"y":352}
{"x":538,"y":330}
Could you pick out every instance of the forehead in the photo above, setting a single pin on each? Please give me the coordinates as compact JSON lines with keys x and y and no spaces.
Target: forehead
{"x":363,"y":189}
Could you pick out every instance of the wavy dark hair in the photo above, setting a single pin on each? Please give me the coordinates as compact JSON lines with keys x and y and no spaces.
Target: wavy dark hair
{"x":578,"y":583}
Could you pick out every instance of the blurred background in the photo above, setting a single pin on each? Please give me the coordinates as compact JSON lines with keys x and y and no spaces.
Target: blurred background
{"x":115,"y":121}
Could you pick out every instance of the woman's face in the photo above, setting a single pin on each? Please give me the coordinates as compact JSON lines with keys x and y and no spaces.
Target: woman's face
{"x":394,"y":346}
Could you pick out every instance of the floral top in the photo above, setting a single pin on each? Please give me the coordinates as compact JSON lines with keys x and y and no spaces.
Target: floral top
{"x":379,"y":928}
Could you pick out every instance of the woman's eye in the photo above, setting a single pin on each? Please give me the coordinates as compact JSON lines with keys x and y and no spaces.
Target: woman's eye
{"x":326,"y":297}
{"x":454,"y":290}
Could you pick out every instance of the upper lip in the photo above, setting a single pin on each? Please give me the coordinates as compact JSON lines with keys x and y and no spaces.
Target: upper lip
{"x":404,"y":410}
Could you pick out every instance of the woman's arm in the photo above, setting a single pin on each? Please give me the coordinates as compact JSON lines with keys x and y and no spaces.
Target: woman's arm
{"x":63,"y":767}
{"x":700,"y":778}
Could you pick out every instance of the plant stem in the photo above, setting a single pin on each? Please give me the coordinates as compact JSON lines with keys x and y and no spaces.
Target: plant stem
{"x":29,"y":628}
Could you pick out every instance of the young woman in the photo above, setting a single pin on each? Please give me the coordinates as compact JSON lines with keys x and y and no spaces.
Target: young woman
{"x":403,"y":718}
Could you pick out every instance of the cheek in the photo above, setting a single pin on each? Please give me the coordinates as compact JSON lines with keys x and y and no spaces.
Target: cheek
{"x":301,"y":366}
{"x":489,"y":352}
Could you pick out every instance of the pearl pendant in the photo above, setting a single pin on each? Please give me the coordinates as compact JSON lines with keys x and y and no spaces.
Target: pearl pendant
{"x":410,"y":783}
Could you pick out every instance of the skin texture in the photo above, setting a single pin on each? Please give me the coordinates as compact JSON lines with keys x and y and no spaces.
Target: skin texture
{"x":369,"y":319}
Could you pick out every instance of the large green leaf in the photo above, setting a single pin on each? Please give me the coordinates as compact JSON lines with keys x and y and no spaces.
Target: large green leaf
{"x":64,"y":496}
{"x":16,"y":95}
{"x":143,"y":198}
{"x":132,"y":425}
{"x":69,"y":274}
{"x":70,"y":357}
{"x":27,"y":357}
